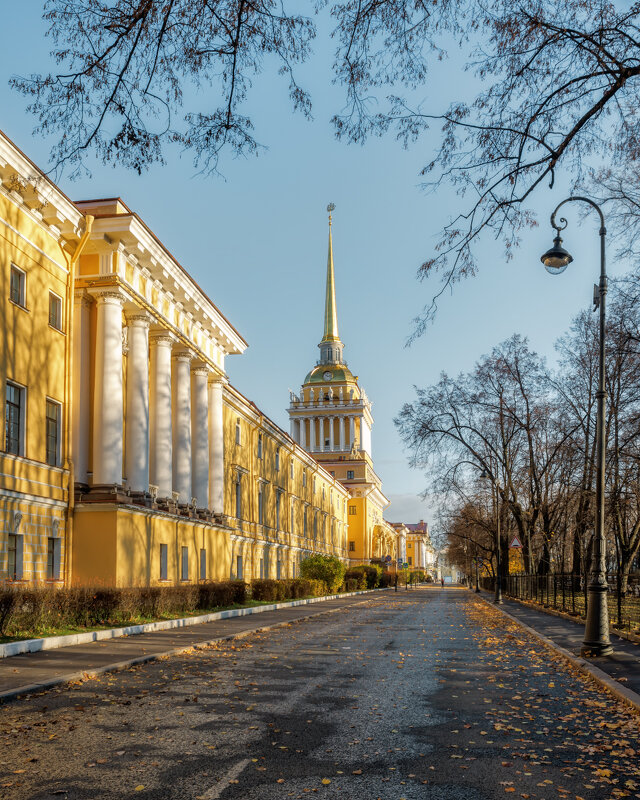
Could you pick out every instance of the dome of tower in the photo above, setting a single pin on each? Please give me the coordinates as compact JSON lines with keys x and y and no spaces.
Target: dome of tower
{"x":340,"y":373}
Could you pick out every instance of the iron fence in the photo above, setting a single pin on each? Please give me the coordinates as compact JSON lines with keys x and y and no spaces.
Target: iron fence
{"x":568,"y":592}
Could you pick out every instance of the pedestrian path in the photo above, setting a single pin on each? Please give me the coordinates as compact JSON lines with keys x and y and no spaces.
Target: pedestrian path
{"x":622,"y":666}
{"x":37,"y":671}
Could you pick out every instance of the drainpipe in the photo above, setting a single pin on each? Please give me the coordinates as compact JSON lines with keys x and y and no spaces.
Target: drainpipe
{"x":69,"y":399}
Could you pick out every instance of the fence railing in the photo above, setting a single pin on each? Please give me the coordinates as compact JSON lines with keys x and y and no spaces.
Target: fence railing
{"x":568,"y":592}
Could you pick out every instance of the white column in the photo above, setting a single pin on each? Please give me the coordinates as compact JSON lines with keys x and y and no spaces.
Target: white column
{"x":292,"y":428}
{"x":331,"y":437}
{"x":81,"y":428}
{"x":160,"y":428}
{"x":200,"y":436}
{"x":137,"y":428}
{"x":216,"y":446}
{"x":303,"y":433}
{"x":341,"y":424}
{"x":181,"y":403}
{"x":352,"y":431}
{"x":107,"y":396}
{"x":312,"y":434}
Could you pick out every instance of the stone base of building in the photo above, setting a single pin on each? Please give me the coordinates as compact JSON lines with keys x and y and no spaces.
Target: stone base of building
{"x":127,"y":545}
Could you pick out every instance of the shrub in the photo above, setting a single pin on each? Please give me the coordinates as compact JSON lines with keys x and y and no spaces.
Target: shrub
{"x":386,"y":579}
{"x":367,"y":575}
{"x":35,"y":611}
{"x":323,"y":568}
{"x":214,"y":594}
{"x":350,"y":584}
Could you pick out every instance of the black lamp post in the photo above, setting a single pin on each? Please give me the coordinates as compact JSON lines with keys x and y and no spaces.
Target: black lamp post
{"x":556,"y":260}
{"x":477,"y":582}
{"x":498,"y":592}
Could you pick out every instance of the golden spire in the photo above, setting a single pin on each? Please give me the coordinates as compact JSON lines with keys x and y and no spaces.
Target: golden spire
{"x":330,"y":312}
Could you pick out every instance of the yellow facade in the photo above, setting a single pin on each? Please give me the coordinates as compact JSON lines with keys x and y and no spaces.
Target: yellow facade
{"x":280,"y":502}
{"x":39,"y":231}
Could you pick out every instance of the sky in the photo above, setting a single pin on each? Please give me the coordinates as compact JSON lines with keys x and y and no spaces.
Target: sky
{"x":256,"y":242}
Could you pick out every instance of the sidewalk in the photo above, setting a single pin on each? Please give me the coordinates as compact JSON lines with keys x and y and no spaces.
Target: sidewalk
{"x":32,"y":672}
{"x":623,"y":666}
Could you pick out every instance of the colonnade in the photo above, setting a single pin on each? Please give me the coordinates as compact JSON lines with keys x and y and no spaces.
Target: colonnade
{"x":172,"y":434}
{"x":317,"y":439}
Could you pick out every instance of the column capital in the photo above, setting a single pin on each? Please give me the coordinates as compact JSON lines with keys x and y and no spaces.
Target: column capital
{"x":111,"y":296}
{"x":183,"y":355}
{"x":139,"y":319}
{"x":216,"y":379}
{"x":200,"y":369}
{"x":81,"y":297}
{"x":164,"y":337}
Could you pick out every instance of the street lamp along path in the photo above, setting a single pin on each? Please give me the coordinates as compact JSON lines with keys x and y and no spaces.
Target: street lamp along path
{"x":556,"y":260}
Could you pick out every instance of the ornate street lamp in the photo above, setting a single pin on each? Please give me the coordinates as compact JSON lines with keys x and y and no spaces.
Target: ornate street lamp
{"x":556,"y":260}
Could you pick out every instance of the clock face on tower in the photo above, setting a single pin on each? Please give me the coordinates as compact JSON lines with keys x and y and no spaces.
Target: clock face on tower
{"x":328,"y":375}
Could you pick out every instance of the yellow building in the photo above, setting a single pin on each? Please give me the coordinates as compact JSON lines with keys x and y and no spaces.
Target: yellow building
{"x":331,"y":418}
{"x":281,"y":504}
{"x":40,"y":231}
{"x":419,"y":550}
{"x":179,"y":477}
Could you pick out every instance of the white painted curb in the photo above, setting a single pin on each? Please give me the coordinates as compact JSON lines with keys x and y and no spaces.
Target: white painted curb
{"x":54,"y":642}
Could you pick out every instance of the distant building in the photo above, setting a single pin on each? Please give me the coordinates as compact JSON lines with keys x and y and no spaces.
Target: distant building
{"x":419,"y":550}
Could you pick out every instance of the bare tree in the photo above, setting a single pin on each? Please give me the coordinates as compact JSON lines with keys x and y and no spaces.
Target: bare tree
{"x":126,"y":65}
{"x":555,"y":84}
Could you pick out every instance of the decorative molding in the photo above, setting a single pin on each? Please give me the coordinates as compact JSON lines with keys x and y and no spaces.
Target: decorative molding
{"x":16,"y":519}
{"x":138,"y":320}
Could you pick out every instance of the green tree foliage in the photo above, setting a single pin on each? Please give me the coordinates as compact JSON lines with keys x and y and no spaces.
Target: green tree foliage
{"x":323,"y":568}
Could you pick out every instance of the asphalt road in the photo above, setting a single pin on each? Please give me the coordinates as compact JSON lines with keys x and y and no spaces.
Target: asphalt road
{"x":425,"y":694}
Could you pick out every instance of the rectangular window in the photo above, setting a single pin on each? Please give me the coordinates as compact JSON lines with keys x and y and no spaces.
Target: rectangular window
{"x":278,"y":569}
{"x":349,"y":474}
{"x":304,"y":522}
{"x":17,"y":286}
{"x":238,"y":498}
{"x":277,"y":459}
{"x":352,"y":547}
{"x":293,"y":516}
{"x":259,"y":445}
{"x":304,"y":477}
{"x":260,"y":505}
{"x":184,"y":564}
{"x":278,"y":499}
{"x":14,"y":419}
{"x":12,"y":560}
{"x":353,"y":510}
{"x":238,"y":432}
{"x":53,"y":559}
{"x":291,"y":470}
{"x":239,"y":567}
{"x":164,"y":562}
{"x":55,"y":311}
{"x":203,"y":565}
{"x":261,"y":568}
{"x":409,"y":560}
{"x":53,"y":419}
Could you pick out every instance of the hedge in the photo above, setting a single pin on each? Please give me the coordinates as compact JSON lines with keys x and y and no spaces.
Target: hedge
{"x":36,"y":610}
{"x":275,"y":591}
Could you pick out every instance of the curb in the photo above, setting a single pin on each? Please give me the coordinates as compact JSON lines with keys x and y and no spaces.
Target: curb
{"x":54,"y":642}
{"x":30,"y":688}
{"x":598,"y":675}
